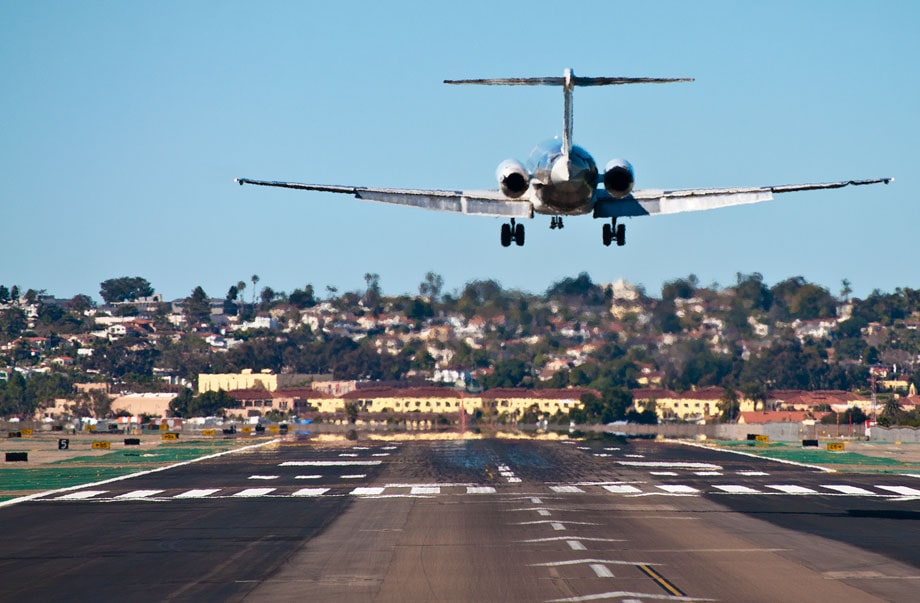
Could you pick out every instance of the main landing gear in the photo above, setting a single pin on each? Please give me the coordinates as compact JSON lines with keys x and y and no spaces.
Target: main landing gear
{"x":556,"y":222}
{"x":614,"y":232}
{"x":512,"y":232}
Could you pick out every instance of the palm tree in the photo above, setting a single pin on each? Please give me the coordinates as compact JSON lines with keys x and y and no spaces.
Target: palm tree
{"x":239,"y":287}
{"x":255,"y":279}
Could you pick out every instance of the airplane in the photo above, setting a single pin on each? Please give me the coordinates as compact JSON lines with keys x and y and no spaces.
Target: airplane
{"x":561,"y":179}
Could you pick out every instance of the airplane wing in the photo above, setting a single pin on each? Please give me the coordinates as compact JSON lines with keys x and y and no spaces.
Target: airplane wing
{"x":651,"y":202}
{"x":479,"y":203}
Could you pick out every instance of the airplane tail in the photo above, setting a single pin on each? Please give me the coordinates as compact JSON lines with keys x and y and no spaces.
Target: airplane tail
{"x":568,"y":82}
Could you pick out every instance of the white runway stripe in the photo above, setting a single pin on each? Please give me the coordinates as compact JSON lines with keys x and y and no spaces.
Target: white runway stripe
{"x":311,"y":492}
{"x":601,"y":571}
{"x":622,"y":489}
{"x":480,"y":490}
{"x":902,"y":490}
{"x":426,"y":490}
{"x":791,"y":489}
{"x":367,"y":491}
{"x":328,"y":463}
{"x":677,"y":489}
{"x":254,"y":492}
{"x":82,"y":495}
{"x":136,"y":494}
{"x":843,"y":489}
{"x":566,"y":489}
{"x":736,"y":489}
{"x":264,"y":477}
{"x":203,"y":493}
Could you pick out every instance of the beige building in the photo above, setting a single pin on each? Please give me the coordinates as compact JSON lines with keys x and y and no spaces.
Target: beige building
{"x":247,"y":379}
{"x":694,"y":404}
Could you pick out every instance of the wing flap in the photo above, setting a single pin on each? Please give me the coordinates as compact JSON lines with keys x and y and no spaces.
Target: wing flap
{"x":650,"y":202}
{"x":480,"y":203}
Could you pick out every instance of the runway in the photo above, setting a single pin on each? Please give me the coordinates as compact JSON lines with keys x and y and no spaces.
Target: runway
{"x":470,"y":520}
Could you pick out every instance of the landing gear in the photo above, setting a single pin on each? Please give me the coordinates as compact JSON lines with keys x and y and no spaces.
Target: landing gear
{"x":556,"y":222}
{"x":614,"y":232}
{"x":512,"y":232}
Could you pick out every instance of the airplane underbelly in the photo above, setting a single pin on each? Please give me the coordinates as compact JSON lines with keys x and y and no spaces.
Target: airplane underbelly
{"x":569,"y":199}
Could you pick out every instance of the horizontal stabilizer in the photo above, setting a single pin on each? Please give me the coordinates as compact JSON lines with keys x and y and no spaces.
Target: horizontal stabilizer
{"x":575,"y":80}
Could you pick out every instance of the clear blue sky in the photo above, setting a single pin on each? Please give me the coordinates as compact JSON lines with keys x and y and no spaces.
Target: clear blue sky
{"x":124,"y":123}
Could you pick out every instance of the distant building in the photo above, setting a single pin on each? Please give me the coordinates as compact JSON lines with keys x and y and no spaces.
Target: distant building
{"x":247,"y":379}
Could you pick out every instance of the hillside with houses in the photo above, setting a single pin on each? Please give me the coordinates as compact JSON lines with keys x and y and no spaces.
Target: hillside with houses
{"x":691,"y":353}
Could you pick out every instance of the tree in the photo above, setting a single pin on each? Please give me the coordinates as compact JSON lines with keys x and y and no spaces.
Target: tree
{"x":80,"y":303}
{"x":197,"y":308}
{"x":303,"y":298}
{"x":255,"y":279}
{"x":728,"y":404}
{"x":372,"y":293}
{"x":208,"y":404}
{"x":4,"y":294}
{"x":125,"y":288}
{"x":430,"y":288}
{"x":240,"y":286}
{"x":845,"y":289}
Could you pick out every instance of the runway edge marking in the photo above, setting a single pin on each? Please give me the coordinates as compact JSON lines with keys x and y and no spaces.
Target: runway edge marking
{"x":756,"y":456}
{"x":22,"y":499}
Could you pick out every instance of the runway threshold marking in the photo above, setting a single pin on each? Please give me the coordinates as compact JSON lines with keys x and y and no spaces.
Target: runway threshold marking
{"x":82,"y":495}
{"x":254,"y":492}
{"x":792,"y":489}
{"x":201,"y":493}
{"x":480,"y":490}
{"x":661,"y":581}
{"x":902,"y":490}
{"x":138,"y":494}
{"x":311,"y":492}
{"x":600,"y":570}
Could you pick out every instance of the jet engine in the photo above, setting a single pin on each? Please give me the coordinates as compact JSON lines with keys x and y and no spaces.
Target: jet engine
{"x":513,"y":178}
{"x":619,"y":178}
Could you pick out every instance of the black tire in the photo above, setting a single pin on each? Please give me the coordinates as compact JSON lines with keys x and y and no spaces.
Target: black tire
{"x":506,"y":235}
{"x":519,"y":235}
{"x":621,"y":235}
{"x":607,"y":235}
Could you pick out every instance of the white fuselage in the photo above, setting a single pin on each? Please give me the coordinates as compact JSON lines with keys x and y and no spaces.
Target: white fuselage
{"x":562,"y":184}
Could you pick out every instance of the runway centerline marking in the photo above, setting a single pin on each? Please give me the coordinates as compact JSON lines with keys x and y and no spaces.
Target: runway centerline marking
{"x":329,"y":463}
{"x":264,"y":476}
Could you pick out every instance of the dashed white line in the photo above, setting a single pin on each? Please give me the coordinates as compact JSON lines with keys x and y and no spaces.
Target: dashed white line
{"x":902,"y":490}
{"x":138,"y":494}
{"x":354,"y":476}
{"x":736,"y":489}
{"x":328,"y":463}
{"x":82,"y":495}
{"x":792,"y":489}
{"x":480,"y":490}
{"x":201,"y":493}
{"x":622,"y":489}
{"x":311,"y":492}
{"x":601,"y":571}
{"x":426,"y":490}
{"x":566,"y":489}
{"x":308,"y":476}
{"x":576,"y":545}
{"x":753,"y":473}
{"x":663,"y":473}
{"x":264,"y":476}
{"x":254,"y":492}
{"x":844,"y":489}
{"x":708,"y":473}
{"x":367,"y":491}
{"x":677,"y":489}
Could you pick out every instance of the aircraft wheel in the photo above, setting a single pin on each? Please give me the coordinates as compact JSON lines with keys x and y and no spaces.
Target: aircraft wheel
{"x":607,"y":234}
{"x":621,"y":235}
{"x":519,"y":235}
{"x":506,"y":235}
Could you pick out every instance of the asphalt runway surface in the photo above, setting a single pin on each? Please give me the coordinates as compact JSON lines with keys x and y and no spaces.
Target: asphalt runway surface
{"x":470,"y":520}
